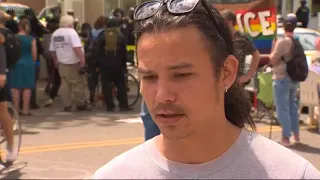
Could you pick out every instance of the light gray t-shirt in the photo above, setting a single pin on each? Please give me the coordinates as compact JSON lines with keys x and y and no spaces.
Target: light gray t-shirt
{"x":252,"y":156}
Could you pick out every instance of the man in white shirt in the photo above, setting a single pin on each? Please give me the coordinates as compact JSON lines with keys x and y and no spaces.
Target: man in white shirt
{"x":188,"y":81}
{"x":68,"y":55}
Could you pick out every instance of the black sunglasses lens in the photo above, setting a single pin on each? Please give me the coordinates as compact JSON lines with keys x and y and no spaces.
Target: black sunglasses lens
{"x":181,"y":6}
{"x":147,"y":9}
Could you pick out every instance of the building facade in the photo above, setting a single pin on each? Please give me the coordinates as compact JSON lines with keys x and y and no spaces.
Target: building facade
{"x":90,"y":10}
{"x":291,"y":6}
{"x":85,"y":10}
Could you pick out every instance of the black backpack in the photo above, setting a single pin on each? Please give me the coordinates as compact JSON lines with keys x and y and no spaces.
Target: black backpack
{"x":297,"y":66}
{"x":91,"y":49}
{"x":12,"y":46}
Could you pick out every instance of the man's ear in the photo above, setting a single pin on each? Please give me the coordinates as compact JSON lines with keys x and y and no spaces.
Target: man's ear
{"x":229,"y":71}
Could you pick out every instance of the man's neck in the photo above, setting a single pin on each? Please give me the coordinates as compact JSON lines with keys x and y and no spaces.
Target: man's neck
{"x":289,"y":34}
{"x":2,"y":26}
{"x":202,"y":147}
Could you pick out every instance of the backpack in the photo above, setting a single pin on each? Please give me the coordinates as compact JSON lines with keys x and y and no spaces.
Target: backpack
{"x":297,"y":66}
{"x":111,"y":40}
{"x":12,"y":46}
{"x":90,"y":49}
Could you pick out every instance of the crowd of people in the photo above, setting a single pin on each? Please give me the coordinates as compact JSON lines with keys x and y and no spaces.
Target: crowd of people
{"x":76,"y":59}
{"x":21,"y":50}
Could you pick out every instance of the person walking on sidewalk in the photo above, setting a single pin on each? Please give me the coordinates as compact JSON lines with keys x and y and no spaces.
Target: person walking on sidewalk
{"x":285,"y":88}
{"x":22,"y":75}
{"x":189,"y":85}
{"x":54,"y":80}
{"x":37,"y":30}
{"x":68,"y":55}
{"x":111,"y":53}
{"x":5,"y":119}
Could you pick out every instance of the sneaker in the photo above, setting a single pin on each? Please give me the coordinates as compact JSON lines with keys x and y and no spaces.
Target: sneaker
{"x":48,"y":103}
{"x":295,"y":139}
{"x":285,"y":142}
{"x":67,"y":109}
{"x":11,"y":156}
{"x":84,"y":107}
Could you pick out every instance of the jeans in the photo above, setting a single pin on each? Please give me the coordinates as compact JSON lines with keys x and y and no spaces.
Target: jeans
{"x":286,"y":107}
{"x":150,"y":127}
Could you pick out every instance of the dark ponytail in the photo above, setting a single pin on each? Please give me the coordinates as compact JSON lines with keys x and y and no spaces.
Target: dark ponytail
{"x":238,"y":106}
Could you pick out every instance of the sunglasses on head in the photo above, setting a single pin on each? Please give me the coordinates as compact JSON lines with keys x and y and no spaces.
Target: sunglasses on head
{"x":149,"y":8}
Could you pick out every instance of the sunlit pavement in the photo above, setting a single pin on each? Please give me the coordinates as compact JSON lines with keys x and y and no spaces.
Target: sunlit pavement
{"x":73,"y":145}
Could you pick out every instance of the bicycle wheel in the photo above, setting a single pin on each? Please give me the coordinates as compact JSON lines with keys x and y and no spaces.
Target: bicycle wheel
{"x":16,"y":127}
{"x":133,"y":89}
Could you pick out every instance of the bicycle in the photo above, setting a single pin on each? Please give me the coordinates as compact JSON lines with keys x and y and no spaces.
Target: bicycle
{"x":17,"y":128}
{"x":134,"y":94}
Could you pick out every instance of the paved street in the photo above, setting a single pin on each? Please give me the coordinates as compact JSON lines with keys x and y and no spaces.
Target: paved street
{"x":74,"y":145}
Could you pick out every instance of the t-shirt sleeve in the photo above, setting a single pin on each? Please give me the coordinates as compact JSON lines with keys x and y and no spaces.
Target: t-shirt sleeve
{"x":241,"y":41}
{"x":251,"y":47}
{"x":311,"y":172}
{"x":75,"y":40}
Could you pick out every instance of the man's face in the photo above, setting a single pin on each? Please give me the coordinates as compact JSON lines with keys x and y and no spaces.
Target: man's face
{"x":178,"y":83}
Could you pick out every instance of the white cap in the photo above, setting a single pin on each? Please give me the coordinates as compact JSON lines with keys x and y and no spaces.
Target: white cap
{"x":66,"y":21}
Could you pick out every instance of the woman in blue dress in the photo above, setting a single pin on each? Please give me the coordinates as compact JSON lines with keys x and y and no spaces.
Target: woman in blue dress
{"x":22,"y":79}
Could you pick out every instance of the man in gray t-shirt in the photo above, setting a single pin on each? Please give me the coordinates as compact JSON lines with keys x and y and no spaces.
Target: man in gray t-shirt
{"x":188,"y":84}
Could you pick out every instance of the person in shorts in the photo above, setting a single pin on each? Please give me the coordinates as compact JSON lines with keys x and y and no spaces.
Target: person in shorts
{"x":5,"y":119}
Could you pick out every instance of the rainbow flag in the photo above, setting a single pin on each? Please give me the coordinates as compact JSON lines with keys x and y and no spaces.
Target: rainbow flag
{"x":256,"y":18}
